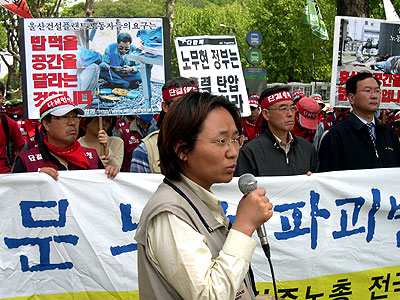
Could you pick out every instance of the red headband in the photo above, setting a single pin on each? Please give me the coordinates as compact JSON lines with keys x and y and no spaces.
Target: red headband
{"x":298,"y":93}
{"x":275,"y":98}
{"x":57,"y":101}
{"x":317,"y":98}
{"x":177,"y":91}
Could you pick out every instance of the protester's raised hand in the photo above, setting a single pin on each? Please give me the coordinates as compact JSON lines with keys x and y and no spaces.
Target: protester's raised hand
{"x":103,"y":141}
{"x":103,"y":137}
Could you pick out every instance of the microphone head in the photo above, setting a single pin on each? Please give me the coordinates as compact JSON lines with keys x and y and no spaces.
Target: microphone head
{"x":247,"y":183}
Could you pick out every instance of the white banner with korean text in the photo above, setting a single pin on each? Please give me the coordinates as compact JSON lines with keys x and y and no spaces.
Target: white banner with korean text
{"x":215,"y":62}
{"x":333,"y":235}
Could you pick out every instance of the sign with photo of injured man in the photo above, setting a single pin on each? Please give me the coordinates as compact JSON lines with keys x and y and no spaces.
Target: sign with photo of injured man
{"x":366,"y":45}
{"x":215,"y":62}
{"x":108,"y":66}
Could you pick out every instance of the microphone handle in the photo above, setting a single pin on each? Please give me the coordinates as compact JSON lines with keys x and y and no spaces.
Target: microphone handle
{"x":261,"y":232}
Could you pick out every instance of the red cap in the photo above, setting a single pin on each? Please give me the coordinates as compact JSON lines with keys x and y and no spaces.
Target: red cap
{"x":308,"y":110}
{"x":58,"y":105}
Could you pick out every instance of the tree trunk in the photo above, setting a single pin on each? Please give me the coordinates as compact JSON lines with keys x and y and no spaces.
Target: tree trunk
{"x":354,"y":8}
{"x":13,"y":73}
{"x":169,"y":8}
{"x":89,"y":8}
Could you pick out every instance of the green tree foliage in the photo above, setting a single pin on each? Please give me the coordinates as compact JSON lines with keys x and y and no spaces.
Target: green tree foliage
{"x":377,"y":11}
{"x":3,"y":38}
{"x":45,"y":9}
{"x":75,"y":11}
{"x":286,"y":46}
{"x":129,"y":8}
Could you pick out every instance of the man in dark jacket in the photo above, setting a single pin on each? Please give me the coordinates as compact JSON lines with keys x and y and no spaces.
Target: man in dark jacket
{"x":277,"y":152}
{"x":361,"y":141}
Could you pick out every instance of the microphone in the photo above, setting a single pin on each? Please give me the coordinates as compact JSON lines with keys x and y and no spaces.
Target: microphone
{"x":248,"y":183}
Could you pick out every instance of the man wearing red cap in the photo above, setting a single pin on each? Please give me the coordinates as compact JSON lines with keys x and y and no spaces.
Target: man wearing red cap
{"x":306,"y":118}
{"x":252,"y":125}
{"x":361,"y":141}
{"x":145,"y":158}
{"x":277,"y":152}
{"x":60,"y":149}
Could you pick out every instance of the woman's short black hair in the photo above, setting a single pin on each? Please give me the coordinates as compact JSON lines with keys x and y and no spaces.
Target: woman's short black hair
{"x":183,"y":122}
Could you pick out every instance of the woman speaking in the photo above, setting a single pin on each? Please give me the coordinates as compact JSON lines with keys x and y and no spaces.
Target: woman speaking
{"x":186,"y":246}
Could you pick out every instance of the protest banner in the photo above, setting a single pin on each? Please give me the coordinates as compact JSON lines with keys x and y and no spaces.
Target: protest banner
{"x":333,"y":235}
{"x":360,"y":45}
{"x":108,"y":66}
{"x":215,"y":62}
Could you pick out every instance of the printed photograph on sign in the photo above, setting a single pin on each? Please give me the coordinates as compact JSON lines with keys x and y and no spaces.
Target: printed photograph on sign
{"x":215,"y":62}
{"x":107,"y":66}
{"x":366,"y":45}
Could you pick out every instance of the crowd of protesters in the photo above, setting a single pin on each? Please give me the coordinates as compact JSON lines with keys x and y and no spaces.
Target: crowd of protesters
{"x":201,"y":141}
{"x":286,"y":133}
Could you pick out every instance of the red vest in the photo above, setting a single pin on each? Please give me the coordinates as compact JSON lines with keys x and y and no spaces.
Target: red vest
{"x":131,"y":141}
{"x":33,"y":160}
{"x":250,"y":130}
{"x":329,"y":122}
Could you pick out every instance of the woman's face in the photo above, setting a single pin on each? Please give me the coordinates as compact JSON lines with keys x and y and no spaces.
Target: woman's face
{"x":209,"y":162}
{"x":93,"y":126}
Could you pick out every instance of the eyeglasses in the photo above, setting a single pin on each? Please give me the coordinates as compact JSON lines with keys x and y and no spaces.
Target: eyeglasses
{"x":285,"y":109}
{"x":66,"y":119}
{"x":225,"y":143}
{"x":371,"y":91}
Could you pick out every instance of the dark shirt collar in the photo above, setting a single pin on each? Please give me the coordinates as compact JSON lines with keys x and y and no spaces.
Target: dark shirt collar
{"x":358,"y":124}
{"x":271,"y":136}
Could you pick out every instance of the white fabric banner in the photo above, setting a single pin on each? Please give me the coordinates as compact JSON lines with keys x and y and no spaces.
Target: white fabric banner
{"x":74,"y":236}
